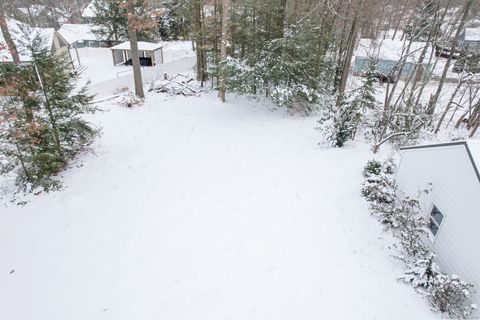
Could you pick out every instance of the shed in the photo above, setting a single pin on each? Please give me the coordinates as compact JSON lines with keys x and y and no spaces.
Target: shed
{"x":150,"y":53}
{"x":470,"y":39}
{"x":388,"y":54}
{"x":451,"y":206}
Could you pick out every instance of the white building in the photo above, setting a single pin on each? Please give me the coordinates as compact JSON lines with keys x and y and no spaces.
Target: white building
{"x":450,"y":171}
{"x":150,"y":54}
{"x":81,"y":35}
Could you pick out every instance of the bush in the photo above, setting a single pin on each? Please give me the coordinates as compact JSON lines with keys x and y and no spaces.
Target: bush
{"x":372,"y":167}
{"x":379,"y":189}
{"x":421,"y":271}
{"x":339,"y":123}
{"x":446,"y":294}
{"x":451,"y":295}
{"x":410,"y":228}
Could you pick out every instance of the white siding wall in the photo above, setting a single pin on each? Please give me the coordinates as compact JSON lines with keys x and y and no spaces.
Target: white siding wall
{"x":456,"y":193}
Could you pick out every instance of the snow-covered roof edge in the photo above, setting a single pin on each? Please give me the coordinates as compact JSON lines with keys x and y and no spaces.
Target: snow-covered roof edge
{"x":472,"y":34}
{"x":76,"y":32}
{"x":20,"y":38}
{"x":472,"y":147}
{"x":142,"y":46}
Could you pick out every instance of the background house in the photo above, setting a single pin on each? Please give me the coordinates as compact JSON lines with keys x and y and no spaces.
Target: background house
{"x":470,"y":39}
{"x":22,"y":35}
{"x":150,"y":54}
{"x":450,"y":172}
{"x":81,"y":35}
{"x":388,"y":54}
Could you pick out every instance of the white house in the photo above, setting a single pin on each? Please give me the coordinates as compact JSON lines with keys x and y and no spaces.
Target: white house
{"x":470,"y":39}
{"x":450,"y":171}
{"x":81,"y":35}
{"x":22,"y":35}
{"x":389,"y":54}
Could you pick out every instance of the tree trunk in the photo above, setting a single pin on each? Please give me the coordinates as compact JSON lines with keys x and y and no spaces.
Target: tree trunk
{"x":6,"y":35}
{"x":137,"y":73}
{"x":223,"y":48}
{"x":348,"y":58}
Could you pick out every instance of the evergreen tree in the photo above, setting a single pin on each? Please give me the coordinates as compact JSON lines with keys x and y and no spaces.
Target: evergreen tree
{"x":111,"y":16}
{"x":41,"y":125}
{"x":365,"y":94}
{"x":339,"y":123}
{"x":176,"y":22}
{"x":284,"y":70}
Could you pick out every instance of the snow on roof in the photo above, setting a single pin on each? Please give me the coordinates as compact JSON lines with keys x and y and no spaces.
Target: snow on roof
{"x":142,"y":45}
{"x":77,"y":32}
{"x":472,"y":34}
{"x":22,"y":35}
{"x":388,"y":49}
{"x":89,"y":11}
{"x":474,"y":147}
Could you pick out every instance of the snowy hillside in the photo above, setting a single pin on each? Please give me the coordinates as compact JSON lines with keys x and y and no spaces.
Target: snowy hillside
{"x":194,"y":209}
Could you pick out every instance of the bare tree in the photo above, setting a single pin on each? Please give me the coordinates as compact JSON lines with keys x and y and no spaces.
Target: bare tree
{"x":223,"y":47}
{"x":434,"y":99}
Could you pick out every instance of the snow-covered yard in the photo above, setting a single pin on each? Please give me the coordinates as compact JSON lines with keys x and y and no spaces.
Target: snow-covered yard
{"x":98,"y":62}
{"x":194,"y":209}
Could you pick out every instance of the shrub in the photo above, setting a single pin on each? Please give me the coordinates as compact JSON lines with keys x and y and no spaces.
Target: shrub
{"x":379,"y":189}
{"x":421,"y":271}
{"x":372,"y":167}
{"x":451,"y":295}
{"x":410,"y":228}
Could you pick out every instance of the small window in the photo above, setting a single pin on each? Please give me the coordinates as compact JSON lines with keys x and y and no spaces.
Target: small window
{"x":435,"y":220}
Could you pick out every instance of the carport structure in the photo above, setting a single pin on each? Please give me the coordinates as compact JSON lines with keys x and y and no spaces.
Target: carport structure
{"x":150,"y":53}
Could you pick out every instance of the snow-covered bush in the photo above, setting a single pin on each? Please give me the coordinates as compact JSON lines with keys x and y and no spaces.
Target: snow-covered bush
{"x":379,"y":189}
{"x":447,"y":294}
{"x":339,"y":123}
{"x":372,"y":167}
{"x":410,"y":229}
{"x":451,"y":295}
{"x":129,"y":100}
{"x":421,"y":271}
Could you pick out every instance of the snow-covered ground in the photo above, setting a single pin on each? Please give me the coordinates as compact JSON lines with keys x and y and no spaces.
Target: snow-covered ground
{"x":99,"y":67}
{"x":194,"y":209}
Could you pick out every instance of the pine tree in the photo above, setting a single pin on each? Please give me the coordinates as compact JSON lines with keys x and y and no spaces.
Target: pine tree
{"x":365,"y":94}
{"x":41,"y":124}
{"x":176,"y":22}
{"x":339,"y":124}
{"x":111,"y":17}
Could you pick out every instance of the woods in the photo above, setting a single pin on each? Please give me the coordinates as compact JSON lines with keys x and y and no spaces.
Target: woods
{"x":369,"y":70}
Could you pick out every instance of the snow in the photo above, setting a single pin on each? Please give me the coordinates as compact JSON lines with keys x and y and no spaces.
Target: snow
{"x":34,"y":10}
{"x":194,"y":209}
{"x":472,"y":34}
{"x":77,"y":32}
{"x":22,"y":35}
{"x":142,"y":45}
{"x":474,"y":147}
{"x":89,"y":11}
{"x":390,"y":49}
{"x":101,"y":73}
